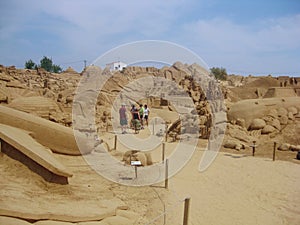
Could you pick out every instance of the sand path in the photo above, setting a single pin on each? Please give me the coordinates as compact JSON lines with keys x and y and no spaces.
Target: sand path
{"x":239,"y":190}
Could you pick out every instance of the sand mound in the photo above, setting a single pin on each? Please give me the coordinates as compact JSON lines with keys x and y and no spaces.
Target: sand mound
{"x":257,"y":108}
{"x":40,"y":106}
{"x":88,"y":199}
{"x":70,"y":70}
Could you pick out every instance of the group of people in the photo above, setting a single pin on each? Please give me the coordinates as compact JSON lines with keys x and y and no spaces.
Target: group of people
{"x":139,"y":117}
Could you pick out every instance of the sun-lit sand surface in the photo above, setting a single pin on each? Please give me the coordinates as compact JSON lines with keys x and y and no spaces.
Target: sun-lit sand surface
{"x":237,"y":188}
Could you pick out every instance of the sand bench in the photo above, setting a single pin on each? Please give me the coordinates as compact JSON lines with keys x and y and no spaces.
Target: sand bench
{"x":18,"y":144}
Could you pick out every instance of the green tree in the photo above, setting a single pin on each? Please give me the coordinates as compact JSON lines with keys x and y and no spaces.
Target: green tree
{"x":56,"y":68}
{"x":48,"y":65}
{"x":30,"y":64}
{"x":219,"y":73}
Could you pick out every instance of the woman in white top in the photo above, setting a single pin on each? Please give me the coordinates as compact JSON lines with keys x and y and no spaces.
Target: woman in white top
{"x":146,"y":113}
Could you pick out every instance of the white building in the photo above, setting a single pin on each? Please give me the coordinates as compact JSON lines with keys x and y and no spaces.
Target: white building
{"x":114,"y":66}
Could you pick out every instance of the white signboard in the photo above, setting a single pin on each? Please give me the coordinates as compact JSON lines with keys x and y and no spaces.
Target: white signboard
{"x":136,"y":163}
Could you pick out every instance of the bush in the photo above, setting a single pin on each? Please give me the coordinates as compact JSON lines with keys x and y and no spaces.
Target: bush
{"x":30,"y":64}
{"x":219,"y":73}
{"x":48,"y":65}
{"x":56,"y":69}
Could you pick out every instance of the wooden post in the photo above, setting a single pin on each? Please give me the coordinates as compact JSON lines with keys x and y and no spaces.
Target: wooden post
{"x":0,"y":145}
{"x":253,"y":148}
{"x":274,"y":151}
{"x":166,"y":130}
{"x":186,"y":211}
{"x":166,"y":174}
{"x":163,"y":152}
{"x":115,"y":144}
{"x":135,"y":170}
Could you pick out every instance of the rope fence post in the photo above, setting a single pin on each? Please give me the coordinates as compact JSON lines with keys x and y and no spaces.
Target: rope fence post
{"x":166,"y":130}
{"x":253,"y":148}
{"x":115,"y":144}
{"x":163,"y":152}
{"x":186,"y":211}
{"x":166,"y":174}
{"x":274,"y":151}
{"x":135,"y":171}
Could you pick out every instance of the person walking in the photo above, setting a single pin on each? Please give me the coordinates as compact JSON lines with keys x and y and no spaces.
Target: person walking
{"x":123,"y":118}
{"x":146,"y":114}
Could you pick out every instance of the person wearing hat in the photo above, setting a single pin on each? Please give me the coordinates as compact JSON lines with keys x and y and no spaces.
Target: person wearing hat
{"x":123,"y":118}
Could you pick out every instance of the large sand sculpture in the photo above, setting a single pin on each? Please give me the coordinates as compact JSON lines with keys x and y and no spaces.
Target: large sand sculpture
{"x":58,"y":138}
{"x":20,"y":145}
{"x":39,"y":151}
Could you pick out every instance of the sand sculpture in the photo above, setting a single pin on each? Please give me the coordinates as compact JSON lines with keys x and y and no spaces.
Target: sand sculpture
{"x":260,"y":109}
{"x":20,"y":145}
{"x":58,"y":138}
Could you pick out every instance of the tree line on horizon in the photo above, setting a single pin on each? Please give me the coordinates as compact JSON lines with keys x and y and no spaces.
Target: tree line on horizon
{"x":45,"y":63}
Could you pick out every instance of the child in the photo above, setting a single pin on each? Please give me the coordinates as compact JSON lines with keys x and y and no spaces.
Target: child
{"x":146,"y":113}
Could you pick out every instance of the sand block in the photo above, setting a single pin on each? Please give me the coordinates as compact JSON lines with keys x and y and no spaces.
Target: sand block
{"x":58,"y":138}
{"x":53,"y":222}
{"x":72,"y":211}
{"x":23,"y":142}
{"x":12,"y":221}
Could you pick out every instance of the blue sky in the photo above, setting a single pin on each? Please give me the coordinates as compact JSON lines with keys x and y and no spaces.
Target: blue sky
{"x":245,"y":37}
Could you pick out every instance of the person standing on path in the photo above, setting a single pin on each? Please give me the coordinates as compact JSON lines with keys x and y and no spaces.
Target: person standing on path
{"x":135,"y":119}
{"x":146,"y":114}
{"x":141,"y":112}
{"x":123,"y":118}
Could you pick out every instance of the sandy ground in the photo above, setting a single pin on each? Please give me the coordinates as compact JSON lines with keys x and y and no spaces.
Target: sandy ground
{"x":235,"y":189}
{"x":240,"y":190}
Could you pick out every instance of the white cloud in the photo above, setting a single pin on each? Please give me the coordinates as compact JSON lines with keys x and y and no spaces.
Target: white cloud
{"x":88,"y":28}
{"x":256,"y":47}
{"x":282,"y":33}
{"x":84,"y":27}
